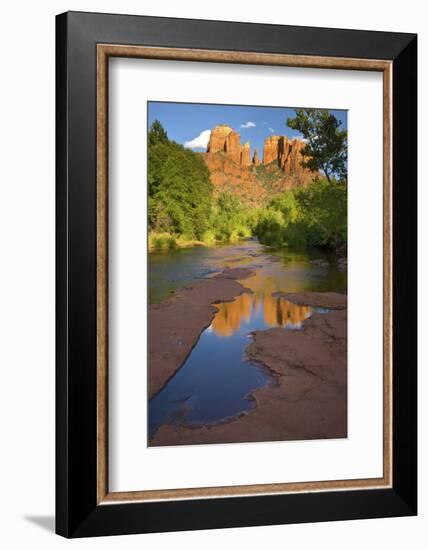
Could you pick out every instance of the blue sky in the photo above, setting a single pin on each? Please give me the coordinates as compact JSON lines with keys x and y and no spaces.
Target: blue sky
{"x":189,"y":123}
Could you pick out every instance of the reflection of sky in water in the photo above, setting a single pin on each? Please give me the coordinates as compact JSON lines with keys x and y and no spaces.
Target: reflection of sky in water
{"x":215,"y":381}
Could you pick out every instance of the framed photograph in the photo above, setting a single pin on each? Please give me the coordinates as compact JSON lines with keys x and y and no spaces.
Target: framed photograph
{"x":236,"y":274}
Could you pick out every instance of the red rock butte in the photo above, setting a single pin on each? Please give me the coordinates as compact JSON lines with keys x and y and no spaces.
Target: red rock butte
{"x":232,"y":167}
{"x":286,"y":152}
{"x":282,"y":150}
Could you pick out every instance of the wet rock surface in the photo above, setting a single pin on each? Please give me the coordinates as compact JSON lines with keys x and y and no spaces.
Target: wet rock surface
{"x":177,"y":322}
{"x":328,"y":300}
{"x":309,"y":400}
{"x":235,"y":273}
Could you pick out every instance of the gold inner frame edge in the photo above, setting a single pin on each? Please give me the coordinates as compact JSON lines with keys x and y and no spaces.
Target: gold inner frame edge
{"x":104,"y":51}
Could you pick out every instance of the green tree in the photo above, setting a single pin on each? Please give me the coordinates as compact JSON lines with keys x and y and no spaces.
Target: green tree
{"x":323,"y":210}
{"x":227,"y":218}
{"x":326,"y":147}
{"x":180,"y":189}
{"x":315,"y":215}
{"x":157,"y":133}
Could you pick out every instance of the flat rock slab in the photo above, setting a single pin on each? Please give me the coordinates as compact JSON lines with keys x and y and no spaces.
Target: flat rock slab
{"x":236,"y":273}
{"x":328,"y":300}
{"x":310,"y":399}
{"x":274,"y":258}
{"x":176,"y":323}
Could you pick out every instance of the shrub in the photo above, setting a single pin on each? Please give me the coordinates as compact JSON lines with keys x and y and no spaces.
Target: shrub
{"x":162,"y":241}
{"x":209,"y":237}
{"x":312,"y":216}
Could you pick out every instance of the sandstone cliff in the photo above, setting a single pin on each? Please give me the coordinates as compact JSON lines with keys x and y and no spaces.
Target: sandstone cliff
{"x":241,"y":181}
{"x":233,"y":169}
{"x":217,"y":142}
{"x":287,"y":153}
{"x":256,"y":160}
{"x":232,"y":147}
{"x":246,"y":154}
{"x":270,"y":149}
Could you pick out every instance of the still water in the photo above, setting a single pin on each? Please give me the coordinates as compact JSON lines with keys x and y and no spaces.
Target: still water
{"x":216,"y":380}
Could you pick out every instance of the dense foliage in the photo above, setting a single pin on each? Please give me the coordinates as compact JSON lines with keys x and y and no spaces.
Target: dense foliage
{"x":182,"y":207}
{"x":181,"y":203}
{"x":180,"y":189}
{"x":311,"y":216}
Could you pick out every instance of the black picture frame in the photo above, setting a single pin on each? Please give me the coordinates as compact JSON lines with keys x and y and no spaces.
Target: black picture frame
{"x":77,"y":512}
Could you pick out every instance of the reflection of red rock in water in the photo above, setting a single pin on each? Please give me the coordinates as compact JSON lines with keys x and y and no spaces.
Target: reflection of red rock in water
{"x":277,"y":312}
{"x":177,"y":322}
{"x":231,"y":314}
{"x":309,"y":400}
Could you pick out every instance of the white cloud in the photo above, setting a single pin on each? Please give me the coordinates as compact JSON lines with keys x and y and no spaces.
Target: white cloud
{"x":248,"y":124}
{"x":272,"y":129}
{"x":266,"y":123}
{"x":199,"y":142}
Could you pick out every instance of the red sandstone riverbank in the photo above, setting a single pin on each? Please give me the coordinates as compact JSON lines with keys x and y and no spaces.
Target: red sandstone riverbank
{"x":176,"y":323}
{"x":310,"y":399}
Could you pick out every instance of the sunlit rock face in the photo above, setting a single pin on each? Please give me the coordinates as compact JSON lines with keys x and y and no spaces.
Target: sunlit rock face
{"x":270,"y":149}
{"x":256,"y":160}
{"x":218,"y":137}
{"x":287,"y":153}
{"x":231,"y":166}
{"x":233,"y":146}
{"x":290,"y":156}
{"x":230,"y":176}
{"x":246,"y":154}
{"x":233,"y":169}
{"x":224,"y":139}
